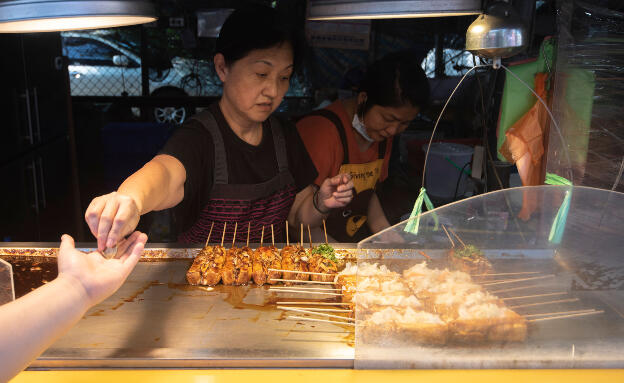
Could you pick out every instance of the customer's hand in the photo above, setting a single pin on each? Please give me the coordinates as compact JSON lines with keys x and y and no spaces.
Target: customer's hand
{"x":335,"y":192}
{"x":111,"y":217}
{"x":92,"y":274}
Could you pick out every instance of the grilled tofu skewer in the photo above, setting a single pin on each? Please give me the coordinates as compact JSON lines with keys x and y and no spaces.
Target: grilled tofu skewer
{"x":294,"y":258}
{"x":206,"y":268}
{"x":237,"y":267}
{"x":265,"y":258}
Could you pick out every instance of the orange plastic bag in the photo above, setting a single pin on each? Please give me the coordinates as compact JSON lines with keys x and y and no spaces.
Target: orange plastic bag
{"x":524,"y":145}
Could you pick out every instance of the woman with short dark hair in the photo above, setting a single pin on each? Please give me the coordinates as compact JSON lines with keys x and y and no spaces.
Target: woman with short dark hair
{"x":354,"y":136}
{"x":234,"y":162}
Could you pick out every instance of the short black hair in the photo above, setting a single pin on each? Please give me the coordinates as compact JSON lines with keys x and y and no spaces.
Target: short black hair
{"x":257,"y":27}
{"x":396,"y":80}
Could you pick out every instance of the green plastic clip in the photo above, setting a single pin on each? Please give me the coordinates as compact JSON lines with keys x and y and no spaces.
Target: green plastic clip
{"x":414,"y":219}
{"x":558,"y":226}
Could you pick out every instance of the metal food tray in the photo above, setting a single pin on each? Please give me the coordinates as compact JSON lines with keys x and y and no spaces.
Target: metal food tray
{"x":157,"y":320}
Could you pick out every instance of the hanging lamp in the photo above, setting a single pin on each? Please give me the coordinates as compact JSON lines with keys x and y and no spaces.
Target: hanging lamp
{"x":25,"y":16}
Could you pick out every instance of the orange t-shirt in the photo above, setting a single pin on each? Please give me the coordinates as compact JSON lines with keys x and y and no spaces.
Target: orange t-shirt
{"x":322,"y":140}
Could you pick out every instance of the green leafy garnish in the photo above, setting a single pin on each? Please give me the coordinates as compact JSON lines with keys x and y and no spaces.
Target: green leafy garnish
{"x":469,"y":251}
{"x":326,"y":251}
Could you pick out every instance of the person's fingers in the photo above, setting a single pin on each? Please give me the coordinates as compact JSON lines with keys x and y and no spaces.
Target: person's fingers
{"x":343,"y":194}
{"x":67,"y":243}
{"x":93,"y":213}
{"x":343,"y":187}
{"x":335,"y":180}
{"x":346,"y":178}
{"x":135,"y":254}
{"x":119,"y":227}
{"x":106,"y":222}
{"x":126,"y":246}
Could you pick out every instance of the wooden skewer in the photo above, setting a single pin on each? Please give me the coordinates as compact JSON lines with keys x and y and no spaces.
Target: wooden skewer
{"x":320,"y":310}
{"x":449,"y":236}
{"x":223,"y":235}
{"x":565,"y":316}
{"x":424,"y":255}
{"x":307,"y":292}
{"x":272,"y":236}
{"x":316,"y":303}
{"x":457,"y":236}
{"x":497,"y":274}
{"x":561,"y":313}
{"x":316,"y":313}
{"x":325,"y":231}
{"x":300,"y":272}
{"x":248,"y":228}
{"x":234,"y":239}
{"x":517,"y":280}
{"x":535,"y":296}
{"x":310,"y":236}
{"x":209,"y":233}
{"x":298,"y":281}
{"x":287,"y":239}
{"x":320,"y":320}
{"x":301,"y":233}
{"x":545,"y":303}
{"x":302,"y":288}
{"x":514,"y":289}
{"x":262,"y":236}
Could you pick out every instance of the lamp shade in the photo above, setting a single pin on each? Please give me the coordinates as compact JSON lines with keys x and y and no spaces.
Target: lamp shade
{"x":389,"y":9}
{"x":22,"y":16}
{"x":499,"y":33}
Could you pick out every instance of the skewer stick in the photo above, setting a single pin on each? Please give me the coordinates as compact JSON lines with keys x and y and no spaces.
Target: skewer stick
{"x":301,"y":232}
{"x":262,"y":236}
{"x":496,"y":274}
{"x":320,"y":310}
{"x":298,"y":281}
{"x":307,"y":292}
{"x":517,"y":280}
{"x":303,"y":288}
{"x":424,"y":254}
{"x":316,"y":303}
{"x":449,"y":236}
{"x":535,"y":296}
{"x":248,"y":228}
{"x":272,"y":236}
{"x":234,"y":239}
{"x":325,"y":231}
{"x":545,"y":303}
{"x":223,"y":235}
{"x":457,"y":236}
{"x":565,"y":316}
{"x":316,"y":313}
{"x":287,"y":239}
{"x":320,"y":320}
{"x":561,"y":313}
{"x":300,"y":272}
{"x":514,"y":289}
{"x":310,"y":236}
{"x":209,"y":233}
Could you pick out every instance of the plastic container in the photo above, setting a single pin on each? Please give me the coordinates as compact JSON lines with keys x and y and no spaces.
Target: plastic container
{"x":444,"y":165}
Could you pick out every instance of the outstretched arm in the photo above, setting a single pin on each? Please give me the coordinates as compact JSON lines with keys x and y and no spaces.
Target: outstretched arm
{"x":33,"y":322}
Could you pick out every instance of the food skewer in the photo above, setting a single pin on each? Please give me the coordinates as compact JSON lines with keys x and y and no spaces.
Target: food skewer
{"x":264,"y":258}
{"x":308,"y":292}
{"x":234,"y":238}
{"x":316,"y":303}
{"x":457,"y":236}
{"x":223,"y":235}
{"x":209,"y":233}
{"x":449,"y":236}
{"x":535,"y":296}
{"x":517,"y":280}
{"x":320,"y":309}
{"x":566,"y":316}
{"x":272,"y":236}
{"x":287,"y":239}
{"x":291,"y":281}
{"x":248,"y":229}
{"x":514,"y":289}
{"x":316,"y":313}
{"x":303,"y":288}
{"x":497,"y":274}
{"x":301,"y":232}
{"x":262,"y":236}
{"x":561,"y":313}
{"x":325,"y":231}
{"x":310,"y":236}
{"x":545,"y":303}
{"x":302,"y":272}
{"x":320,"y":320}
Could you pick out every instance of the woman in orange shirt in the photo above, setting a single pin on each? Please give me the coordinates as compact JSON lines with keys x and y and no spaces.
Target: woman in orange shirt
{"x":355,"y":136}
